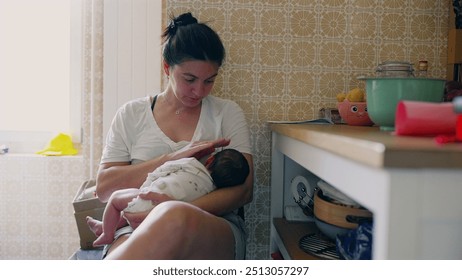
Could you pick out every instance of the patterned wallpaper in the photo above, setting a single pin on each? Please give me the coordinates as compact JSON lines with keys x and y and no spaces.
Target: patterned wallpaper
{"x":288,"y":59}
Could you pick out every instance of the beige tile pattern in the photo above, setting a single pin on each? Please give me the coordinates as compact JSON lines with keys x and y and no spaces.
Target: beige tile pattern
{"x":288,"y":59}
{"x":36,"y":194}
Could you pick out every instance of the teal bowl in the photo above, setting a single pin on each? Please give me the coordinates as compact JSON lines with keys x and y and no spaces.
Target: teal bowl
{"x":384,"y":93}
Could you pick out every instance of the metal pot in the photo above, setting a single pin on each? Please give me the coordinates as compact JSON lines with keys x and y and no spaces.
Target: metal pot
{"x":330,"y":231}
{"x":334,"y":213}
{"x":333,"y":218}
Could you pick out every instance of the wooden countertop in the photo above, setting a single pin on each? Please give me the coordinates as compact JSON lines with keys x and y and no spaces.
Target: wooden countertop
{"x":371,"y":146}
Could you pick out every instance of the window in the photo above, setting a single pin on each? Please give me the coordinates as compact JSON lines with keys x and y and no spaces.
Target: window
{"x":40,"y":62}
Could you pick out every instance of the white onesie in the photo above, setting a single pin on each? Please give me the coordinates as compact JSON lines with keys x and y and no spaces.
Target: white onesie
{"x":185,"y":179}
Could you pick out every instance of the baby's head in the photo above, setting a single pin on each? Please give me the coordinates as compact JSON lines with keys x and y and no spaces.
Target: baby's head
{"x":228,"y":168}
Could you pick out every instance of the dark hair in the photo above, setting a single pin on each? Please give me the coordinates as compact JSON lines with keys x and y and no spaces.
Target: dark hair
{"x":229,"y":168}
{"x":187,"y":39}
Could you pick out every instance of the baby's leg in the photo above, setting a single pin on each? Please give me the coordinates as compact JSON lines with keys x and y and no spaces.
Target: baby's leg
{"x":138,"y":205}
{"x":112,"y":215}
{"x":95,"y":226}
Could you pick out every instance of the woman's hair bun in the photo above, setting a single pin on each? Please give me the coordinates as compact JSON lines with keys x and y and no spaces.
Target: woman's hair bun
{"x":181,"y":20}
{"x":187,"y":39}
{"x":185,"y":19}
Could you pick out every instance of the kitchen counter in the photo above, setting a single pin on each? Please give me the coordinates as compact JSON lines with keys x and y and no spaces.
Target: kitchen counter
{"x":371,"y":146}
{"x":411,"y":184}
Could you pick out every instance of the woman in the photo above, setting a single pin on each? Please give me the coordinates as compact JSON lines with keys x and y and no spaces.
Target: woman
{"x":182,"y":121}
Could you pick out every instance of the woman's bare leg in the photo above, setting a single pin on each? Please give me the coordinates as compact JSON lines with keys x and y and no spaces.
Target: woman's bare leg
{"x":177,"y":230}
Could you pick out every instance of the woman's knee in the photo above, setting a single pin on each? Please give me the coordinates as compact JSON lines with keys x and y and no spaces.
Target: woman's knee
{"x":183,"y":231}
{"x":177,"y":217}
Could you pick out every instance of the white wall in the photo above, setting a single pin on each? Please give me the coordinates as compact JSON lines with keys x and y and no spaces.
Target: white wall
{"x":132,"y":53}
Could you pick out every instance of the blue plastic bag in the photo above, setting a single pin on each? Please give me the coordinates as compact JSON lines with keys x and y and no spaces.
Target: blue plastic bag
{"x":356,"y":244}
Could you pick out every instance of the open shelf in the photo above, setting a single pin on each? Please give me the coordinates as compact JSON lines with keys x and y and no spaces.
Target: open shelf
{"x":290,"y":233}
{"x":382,"y":172}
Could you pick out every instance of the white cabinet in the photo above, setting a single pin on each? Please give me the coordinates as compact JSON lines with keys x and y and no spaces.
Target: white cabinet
{"x":412,"y":185}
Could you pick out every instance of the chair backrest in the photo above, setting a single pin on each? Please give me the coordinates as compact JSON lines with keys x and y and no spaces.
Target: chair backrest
{"x":241,"y":213}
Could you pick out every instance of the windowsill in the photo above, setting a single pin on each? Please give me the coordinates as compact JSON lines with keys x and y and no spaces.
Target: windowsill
{"x":28,"y":153}
{"x":18,"y":148}
{"x":78,"y":156}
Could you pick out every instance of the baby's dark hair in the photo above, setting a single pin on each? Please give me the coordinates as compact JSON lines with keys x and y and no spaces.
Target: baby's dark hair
{"x":229,"y":168}
{"x":187,"y":39}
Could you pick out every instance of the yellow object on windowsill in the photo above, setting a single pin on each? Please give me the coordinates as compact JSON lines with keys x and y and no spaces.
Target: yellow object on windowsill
{"x":61,"y":145}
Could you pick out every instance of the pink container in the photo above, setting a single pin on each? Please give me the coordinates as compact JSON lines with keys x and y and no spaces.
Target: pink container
{"x":425,"y":118}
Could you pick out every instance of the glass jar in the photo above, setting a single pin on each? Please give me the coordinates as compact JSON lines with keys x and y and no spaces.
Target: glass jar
{"x":423,"y":67}
{"x":395,"y":69}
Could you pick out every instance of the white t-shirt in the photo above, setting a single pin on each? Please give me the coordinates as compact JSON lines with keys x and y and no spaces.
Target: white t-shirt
{"x":134,"y":135}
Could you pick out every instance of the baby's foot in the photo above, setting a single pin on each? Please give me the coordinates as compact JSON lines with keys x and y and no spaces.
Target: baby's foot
{"x":102,"y":240}
{"x":95,"y":226}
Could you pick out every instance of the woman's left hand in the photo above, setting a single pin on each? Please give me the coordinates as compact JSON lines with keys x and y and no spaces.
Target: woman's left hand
{"x":199,"y":149}
{"x":210,"y":147}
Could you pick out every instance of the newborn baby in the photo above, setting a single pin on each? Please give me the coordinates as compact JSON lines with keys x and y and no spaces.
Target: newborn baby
{"x":185,"y":179}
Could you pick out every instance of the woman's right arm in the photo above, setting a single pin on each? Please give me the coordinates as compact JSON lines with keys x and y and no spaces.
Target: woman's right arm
{"x":114,"y":176}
